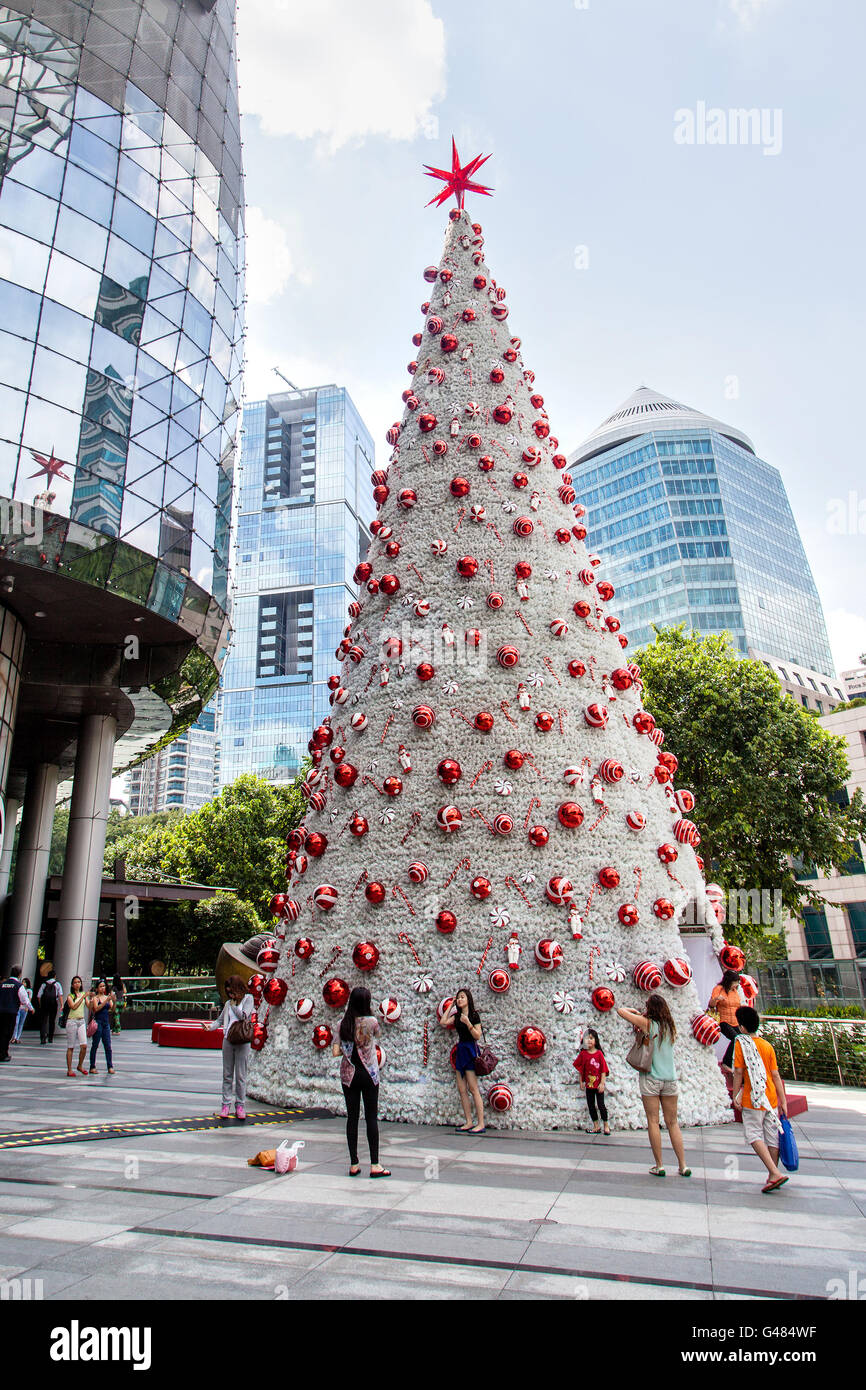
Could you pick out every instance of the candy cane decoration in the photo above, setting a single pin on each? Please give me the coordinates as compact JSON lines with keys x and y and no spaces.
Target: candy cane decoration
{"x":530,"y":759}
{"x":461,"y":864}
{"x":398,"y":890}
{"x":415,"y":570}
{"x":474,"y":811}
{"x":593,"y":951}
{"x":638,"y":876}
{"x":373,"y":669}
{"x":567,"y":580}
{"x":414,"y":822}
{"x":426,"y":1040}
{"x":362,"y":878}
{"x":467,"y":371}
{"x":388,"y":723}
{"x":484,"y":955}
{"x":519,"y":615}
{"x":673,"y":877}
{"x":495,"y":444}
{"x":504,"y":706}
{"x":407,"y":941}
{"x":426,"y":453}
{"x":533,"y":803}
{"x":592,"y":893}
{"x":549,"y":664}
{"x":460,"y":516}
{"x":489,"y":564}
{"x":591,"y":662}
{"x":460,"y":715}
{"x":561,"y":713}
{"x":491,"y":527}
{"x":597,"y":823}
{"x":512,"y":882}
{"x":485,"y":767}
{"x":367,"y":778}
{"x":334,"y":954}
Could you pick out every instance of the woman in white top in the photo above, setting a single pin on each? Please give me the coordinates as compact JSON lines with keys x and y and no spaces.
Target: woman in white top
{"x":236,"y":1056}
{"x":23,"y":1009}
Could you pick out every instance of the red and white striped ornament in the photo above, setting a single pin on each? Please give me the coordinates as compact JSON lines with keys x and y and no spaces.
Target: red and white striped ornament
{"x":449,"y":818}
{"x":687,"y":833}
{"x":559,"y":628}
{"x":442,"y":1008}
{"x":499,"y":980}
{"x":304,"y":1009}
{"x":503,"y":824}
{"x":418,"y":872}
{"x":677,"y":971}
{"x":390,"y":1010}
{"x":611,"y":771}
{"x":559,"y":890}
{"x":423,"y":716}
{"x":548,"y":954}
{"x":325,"y":896}
{"x":647,"y":976}
{"x":595,"y":716}
{"x":706,"y":1030}
{"x":359,"y":722}
{"x":499,"y":1098}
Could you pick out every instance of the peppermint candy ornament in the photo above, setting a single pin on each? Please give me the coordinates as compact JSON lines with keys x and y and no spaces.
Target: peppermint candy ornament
{"x":390,"y":1010}
{"x":558,"y":628}
{"x":563,"y":1001}
{"x":439,"y":546}
{"x":422,"y":984}
{"x":359,"y":722}
{"x":615,"y":972}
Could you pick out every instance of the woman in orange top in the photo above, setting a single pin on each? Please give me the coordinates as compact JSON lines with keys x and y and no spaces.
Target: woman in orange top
{"x":726,"y":998}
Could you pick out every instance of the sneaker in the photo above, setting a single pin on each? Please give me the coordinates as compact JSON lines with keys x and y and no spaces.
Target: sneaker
{"x":224,"y":1113}
{"x":240,"y":1113}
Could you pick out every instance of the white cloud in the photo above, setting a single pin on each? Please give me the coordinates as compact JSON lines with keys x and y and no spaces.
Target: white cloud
{"x":748,"y":12}
{"x":847,"y":633}
{"x":341,"y":69}
{"x":269,"y":261}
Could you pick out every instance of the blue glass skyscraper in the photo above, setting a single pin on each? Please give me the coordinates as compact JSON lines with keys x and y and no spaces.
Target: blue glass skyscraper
{"x":694,"y":528}
{"x":305,"y":507}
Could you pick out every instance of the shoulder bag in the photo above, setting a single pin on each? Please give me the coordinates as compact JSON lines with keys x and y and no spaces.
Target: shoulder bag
{"x":640,"y":1054}
{"x":486,"y":1060}
{"x":240,"y":1031}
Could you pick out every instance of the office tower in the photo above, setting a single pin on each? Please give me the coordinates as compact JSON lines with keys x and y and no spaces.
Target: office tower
{"x":183,"y":775}
{"x":304,"y":509}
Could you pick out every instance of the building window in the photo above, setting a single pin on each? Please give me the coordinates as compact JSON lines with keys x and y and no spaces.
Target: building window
{"x":817,"y":934}
{"x":857,"y":922}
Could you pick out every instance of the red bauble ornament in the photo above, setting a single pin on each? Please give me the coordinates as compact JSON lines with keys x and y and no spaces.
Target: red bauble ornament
{"x":407,"y":498}
{"x":480,"y":888}
{"x":523,"y":569}
{"x":423,"y":716}
{"x":335,"y":992}
{"x":426,"y":422}
{"x":499,"y":1098}
{"x":274,"y":992}
{"x":316,"y":844}
{"x":483,"y":721}
{"x":375,"y":892}
{"x":459,"y":487}
{"x":392,"y":786}
{"x":522,"y":526}
{"x":608,"y":877}
{"x":358,"y":825}
{"x":513,"y":759}
{"x":268,"y":957}
{"x":486,"y":463}
{"x":544,"y":722}
{"x":467,"y":566}
{"x":259,"y":1038}
{"x":576,"y":668}
{"x":603,"y":999}
{"x":667,"y":853}
{"x":325,"y":896}
{"x":446,"y":922}
{"x":705,"y":1030}
{"x":389,"y":584}
{"x":596,"y":716}
{"x":531,"y":1043}
{"x":686,"y":832}
{"x":277,"y":905}
{"x":520,"y":480}
{"x":732,"y":958}
{"x":508,"y":656}
{"x":570,"y":815}
{"x":647,"y":976}
{"x":449,"y":818}
{"x":499,"y":980}
{"x":677,"y":972}
{"x":548,"y":954}
{"x":449,"y":771}
{"x":365,"y":956}
{"x":621,"y":679}
{"x":559,"y":890}
{"x":425,"y":671}
{"x":322,"y":1037}
{"x":304,"y":948}
{"x":664,"y":909}
{"x":256,"y":985}
{"x":538,"y":836}
{"x":628,"y":915}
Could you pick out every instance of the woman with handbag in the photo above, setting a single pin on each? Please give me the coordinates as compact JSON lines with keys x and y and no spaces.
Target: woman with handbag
{"x":72,"y":1018}
{"x":359,"y":1076}
{"x":237,"y":1025}
{"x":100,"y":1002}
{"x":658,"y":1077}
{"x":466,"y":1021}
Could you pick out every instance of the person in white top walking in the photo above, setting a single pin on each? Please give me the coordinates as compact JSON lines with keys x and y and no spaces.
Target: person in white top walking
{"x":22,"y":1011}
{"x":13,"y":996}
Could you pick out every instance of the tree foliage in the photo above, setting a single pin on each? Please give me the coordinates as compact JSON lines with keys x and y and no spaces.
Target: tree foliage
{"x":768,"y":777}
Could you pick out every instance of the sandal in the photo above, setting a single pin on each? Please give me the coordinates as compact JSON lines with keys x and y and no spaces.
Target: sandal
{"x":111,"y":1071}
{"x":771,"y":1186}
{"x":657,"y":1173}
{"x":382,"y":1173}
{"x":685,"y":1172}
{"x":72,"y":1074}
{"x":83,"y":1070}
{"x":355,"y":1172}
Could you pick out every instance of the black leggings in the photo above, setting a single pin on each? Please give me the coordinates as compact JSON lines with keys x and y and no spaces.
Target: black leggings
{"x":732,"y":1033}
{"x":593,"y":1097}
{"x":362,"y":1085}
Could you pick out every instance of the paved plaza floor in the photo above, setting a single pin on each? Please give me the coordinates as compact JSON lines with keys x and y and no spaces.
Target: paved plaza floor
{"x":178,"y":1215}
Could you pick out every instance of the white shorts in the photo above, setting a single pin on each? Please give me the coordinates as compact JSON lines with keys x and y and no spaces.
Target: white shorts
{"x":655,"y":1086}
{"x":761,"y":1124}
{"x":76,"y":1033}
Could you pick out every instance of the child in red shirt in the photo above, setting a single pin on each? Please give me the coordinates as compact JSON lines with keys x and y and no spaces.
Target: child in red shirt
{"x":592,"y":1069}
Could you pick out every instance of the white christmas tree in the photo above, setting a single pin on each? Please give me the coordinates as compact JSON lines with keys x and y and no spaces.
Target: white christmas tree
{"x":490,"y":807}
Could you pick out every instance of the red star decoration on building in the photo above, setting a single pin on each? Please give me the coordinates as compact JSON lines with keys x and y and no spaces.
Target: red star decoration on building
{"x":51,"y":467}
{"x":458,"y":180}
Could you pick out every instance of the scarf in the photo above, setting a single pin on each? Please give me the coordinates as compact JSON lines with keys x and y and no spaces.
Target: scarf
{"x":757,"y":1072}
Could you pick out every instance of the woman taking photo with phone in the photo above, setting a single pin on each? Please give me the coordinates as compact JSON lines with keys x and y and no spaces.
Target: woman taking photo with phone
{"x":359,"y":1074}
{"x":659,"y":1084}
{"x":236,"y":1023}
{"x":76,"y":1024}
{"x":101,"y":1002}
{"x":466,"y":1021}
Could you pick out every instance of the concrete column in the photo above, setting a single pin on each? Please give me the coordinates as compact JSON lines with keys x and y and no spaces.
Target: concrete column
{"x":21,"y":939}
{"x":13,"y":806}
{"x":75,"y":943}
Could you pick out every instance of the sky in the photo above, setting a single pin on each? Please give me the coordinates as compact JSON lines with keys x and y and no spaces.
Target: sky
{"x":635,"y":246}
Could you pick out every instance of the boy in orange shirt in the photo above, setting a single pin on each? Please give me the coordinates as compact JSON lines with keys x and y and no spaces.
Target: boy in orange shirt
{"x":758,"y":1090}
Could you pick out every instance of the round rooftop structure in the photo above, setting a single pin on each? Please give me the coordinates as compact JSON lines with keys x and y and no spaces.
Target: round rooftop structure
{"x":648,"y":410}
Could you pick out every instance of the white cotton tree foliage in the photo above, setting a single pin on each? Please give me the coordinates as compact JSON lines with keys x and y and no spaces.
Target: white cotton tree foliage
{"x":487,"y":780}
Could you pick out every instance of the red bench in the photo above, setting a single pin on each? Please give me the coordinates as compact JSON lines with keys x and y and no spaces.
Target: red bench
{"x":187,"y":1032}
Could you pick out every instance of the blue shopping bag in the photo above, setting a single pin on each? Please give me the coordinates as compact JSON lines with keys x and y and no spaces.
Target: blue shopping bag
{"x":788,"y":1155}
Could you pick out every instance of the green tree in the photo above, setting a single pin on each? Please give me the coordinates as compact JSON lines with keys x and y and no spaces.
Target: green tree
{"x":236,"y":841}
{"x":769,"y":779}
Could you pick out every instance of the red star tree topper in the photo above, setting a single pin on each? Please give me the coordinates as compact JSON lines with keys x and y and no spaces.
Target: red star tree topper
{"x":490,"y":807}
{"x":458,"y":180}
{"x":51,"y":467}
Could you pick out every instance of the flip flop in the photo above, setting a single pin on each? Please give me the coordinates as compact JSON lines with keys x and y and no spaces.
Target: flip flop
{"x":685,"y":1172}
{"x":482,"y":1130}
{"x":383,"y":1173}
{"x":356,"y":1174}
{"x":657,"y":1173}
{"x":771,"y":1186}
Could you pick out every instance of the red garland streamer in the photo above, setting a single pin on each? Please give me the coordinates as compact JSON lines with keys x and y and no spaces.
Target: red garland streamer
{"x":484,"y":956}
{"x":414,"y":822}
{"x":407,"y":941}
{"x":504,"y":706}
{"x":465,"y":863}
{"x":533,"y":803}
{"x":512,"y":882}
{"x":394,"y":892}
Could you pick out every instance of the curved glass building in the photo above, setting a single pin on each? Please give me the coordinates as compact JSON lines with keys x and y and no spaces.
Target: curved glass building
{"x":121,"y":206}
{"x":696,"y":529}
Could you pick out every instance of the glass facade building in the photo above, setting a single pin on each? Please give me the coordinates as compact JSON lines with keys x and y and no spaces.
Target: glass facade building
{"x":304,"y":510}
{"x":696,"y":529}
{"x":182,"y":776}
